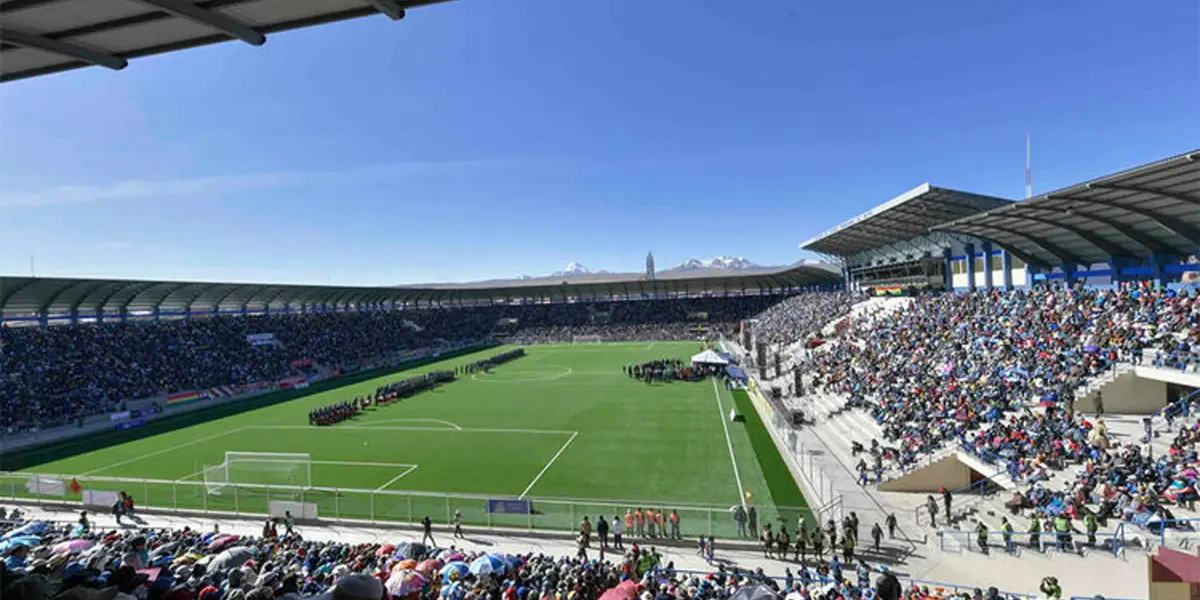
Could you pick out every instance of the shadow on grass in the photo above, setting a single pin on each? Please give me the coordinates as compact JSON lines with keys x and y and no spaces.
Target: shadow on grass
{"x":780,"y":483}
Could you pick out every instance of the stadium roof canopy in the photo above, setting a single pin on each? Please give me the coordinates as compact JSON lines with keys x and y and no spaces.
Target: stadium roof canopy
{"x":1147,"y":210}
{"x":39,"y":37}
{"x":904,"y":217}
{"x":26,"y":296}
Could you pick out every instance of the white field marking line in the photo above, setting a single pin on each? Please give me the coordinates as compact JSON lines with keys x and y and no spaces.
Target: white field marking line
{"x":163,"y":451}
{"x":449,"y":423}
{"x":444,"y":429}
{"x":547,"y":467}
{"x":554,"y":377}
{"x":729,"y":442}
{"x":343,"y":463}
{"x":410,"y":469}
{"x":314,"y":462}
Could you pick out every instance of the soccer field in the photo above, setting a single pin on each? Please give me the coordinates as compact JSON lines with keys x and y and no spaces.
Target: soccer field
{"x":562,"y":427}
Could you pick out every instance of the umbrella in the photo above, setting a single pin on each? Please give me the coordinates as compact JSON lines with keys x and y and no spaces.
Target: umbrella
{"x":385,"y":550}
{"x":446,"y":554}
{"x":407,"y":564}
{"x":429,"y":566}
{"x":457,"y":566}
{"x":222,"y":542}
{"x":754,"y":591}
{"x":453,"y":591}
{"x":35,"y":528}
{"x":455,"y":556}
{"x":73,"y":546}
{"x":230,"y":558}
{"x":21,"y":540}
{"x":627,"y":590}
{"x":411,"y":550}
{"x":403,"y":583}
{"x":487,"y":565}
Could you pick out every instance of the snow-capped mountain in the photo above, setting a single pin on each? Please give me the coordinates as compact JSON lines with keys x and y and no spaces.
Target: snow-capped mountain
{"x":574,"y":269}
{"x":728,"y":263}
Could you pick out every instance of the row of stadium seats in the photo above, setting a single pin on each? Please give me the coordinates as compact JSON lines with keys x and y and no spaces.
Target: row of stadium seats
{"x":44,"y":560}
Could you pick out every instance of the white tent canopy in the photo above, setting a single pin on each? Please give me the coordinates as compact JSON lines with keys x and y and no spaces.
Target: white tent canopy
{"x":708,"y":357}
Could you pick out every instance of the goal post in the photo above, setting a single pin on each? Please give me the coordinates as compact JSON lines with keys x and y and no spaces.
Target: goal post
{"x":259,"y":468}
{"x":586,"y":339}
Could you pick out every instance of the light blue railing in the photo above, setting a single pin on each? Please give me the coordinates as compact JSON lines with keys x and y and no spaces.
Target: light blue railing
{"x":868,"y":591}
{"x":1113,"y":543}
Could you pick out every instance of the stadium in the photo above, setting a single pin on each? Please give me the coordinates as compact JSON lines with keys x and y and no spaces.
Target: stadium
{"x":999,"y":396}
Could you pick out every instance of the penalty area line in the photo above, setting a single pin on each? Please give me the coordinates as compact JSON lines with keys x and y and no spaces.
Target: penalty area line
{"x":410,"y":469}
{"x":163,"y":451}
{"x":547,"y":467}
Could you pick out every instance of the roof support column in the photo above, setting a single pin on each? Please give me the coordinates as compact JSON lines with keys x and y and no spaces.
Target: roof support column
{"x":1007,"y":269}
{"x":947,"y":270}
{"x":74,"y":315}
{"x":1117,"y":264}
{"x":1030,"y":270}
{"x":986,"y":249}
{"x":1069,"y":270}
{"x":1161,"y":261}
{"x":44,"y":318}
{"x":99,"y":315}
{"x":125,"y":314}
{"x":970,"y":251}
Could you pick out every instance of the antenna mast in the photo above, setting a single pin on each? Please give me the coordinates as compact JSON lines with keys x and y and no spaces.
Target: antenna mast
{"x":1028,"y":171}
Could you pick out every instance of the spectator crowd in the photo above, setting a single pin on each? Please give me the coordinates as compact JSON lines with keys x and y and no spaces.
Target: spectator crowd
{"x":997,"y":373}
{"x":43,"y":561}
{"x":53,"y":375}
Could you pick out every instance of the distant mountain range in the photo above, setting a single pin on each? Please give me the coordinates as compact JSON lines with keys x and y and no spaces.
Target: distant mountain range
{"x":574,"y":268}
{"x":577,"y":272}
{"x":725,"y":263}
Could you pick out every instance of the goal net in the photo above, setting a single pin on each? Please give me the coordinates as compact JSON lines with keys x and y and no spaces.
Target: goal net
{"x":259,"y":469}
{"x":586,"y":339}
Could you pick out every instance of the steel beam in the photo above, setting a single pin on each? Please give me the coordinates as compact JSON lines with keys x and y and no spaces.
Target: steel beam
{"x":1167,"y":222}
{"x":227,"y":25}
{"x":76,"y":51}
{"x":1111,"y":248}
{"x":1146,"y":241}
{"x":1148,"y":190}
{"x":389,"y":8}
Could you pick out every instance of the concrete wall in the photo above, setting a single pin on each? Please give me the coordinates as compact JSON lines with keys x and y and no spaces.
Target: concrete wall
{"x":948,"y":472}
{"x":1131,"y":393}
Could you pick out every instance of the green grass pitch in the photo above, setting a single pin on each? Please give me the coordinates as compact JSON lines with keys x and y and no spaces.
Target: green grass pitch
{"x":562,"y":426}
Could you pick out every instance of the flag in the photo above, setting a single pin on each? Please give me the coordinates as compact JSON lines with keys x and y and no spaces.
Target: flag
{"x":75,"y":487}
{"x":747,"y":495}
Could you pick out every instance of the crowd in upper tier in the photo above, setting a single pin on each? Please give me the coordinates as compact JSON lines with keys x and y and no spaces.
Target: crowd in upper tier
{"x":799,"y":317}
{"x":51,"y":375}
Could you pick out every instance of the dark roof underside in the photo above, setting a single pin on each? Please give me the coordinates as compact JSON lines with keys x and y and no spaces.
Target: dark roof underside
{"x":39,"y":37}
{"x":904,"y":217}
{"x":1147,"y":210}
{"x":58,"y":296}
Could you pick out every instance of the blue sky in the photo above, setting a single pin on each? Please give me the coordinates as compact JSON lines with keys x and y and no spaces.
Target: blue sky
{"x":482,"y":139}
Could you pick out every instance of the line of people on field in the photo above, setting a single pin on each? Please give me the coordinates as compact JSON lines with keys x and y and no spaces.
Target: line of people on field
{"x":337,"y":412}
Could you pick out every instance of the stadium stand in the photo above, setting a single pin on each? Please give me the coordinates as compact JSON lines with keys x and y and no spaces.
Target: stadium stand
{"x":81,"y":560}
{"x":51,"y":375}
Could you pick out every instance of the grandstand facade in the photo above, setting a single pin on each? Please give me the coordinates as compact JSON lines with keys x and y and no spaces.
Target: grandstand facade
{"x":1141,"y":224}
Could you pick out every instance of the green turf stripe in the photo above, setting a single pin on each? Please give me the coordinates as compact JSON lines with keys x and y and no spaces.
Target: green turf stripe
{"x":780,"y":483}
{"x":24,"y":458}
